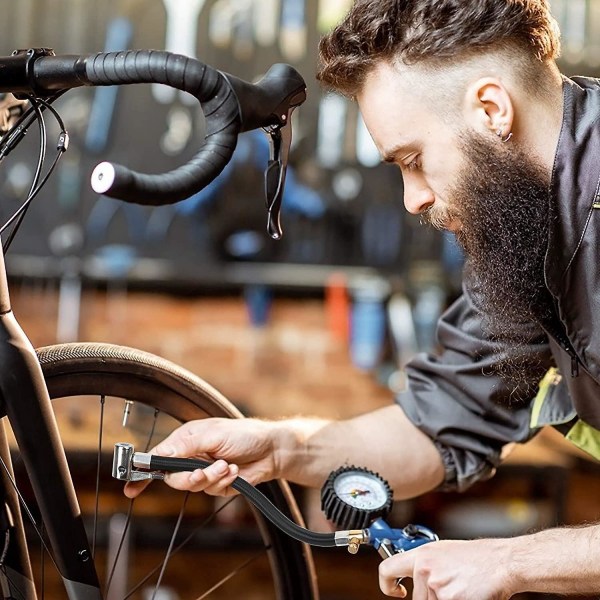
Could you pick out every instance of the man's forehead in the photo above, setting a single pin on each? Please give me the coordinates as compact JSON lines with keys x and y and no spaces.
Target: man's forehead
{"x":395,"y":124}
{"x":386,"y":98}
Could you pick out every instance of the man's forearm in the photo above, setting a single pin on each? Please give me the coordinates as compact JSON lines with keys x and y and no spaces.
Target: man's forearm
{"x":383,"y":440}
{"x":560,"y":561}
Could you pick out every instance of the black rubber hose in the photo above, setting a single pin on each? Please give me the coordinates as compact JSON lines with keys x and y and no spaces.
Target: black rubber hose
{"x":266,"y":507}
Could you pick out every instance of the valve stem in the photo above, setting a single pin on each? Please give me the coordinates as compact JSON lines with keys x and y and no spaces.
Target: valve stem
{"x":127,"y":411}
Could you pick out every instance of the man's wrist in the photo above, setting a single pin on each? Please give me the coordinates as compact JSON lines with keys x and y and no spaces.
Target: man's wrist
{"x":292,"y":457}
{"x":532,"y":561}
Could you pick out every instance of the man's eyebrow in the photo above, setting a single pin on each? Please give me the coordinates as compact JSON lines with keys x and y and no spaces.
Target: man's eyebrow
{"x":391,"y":155}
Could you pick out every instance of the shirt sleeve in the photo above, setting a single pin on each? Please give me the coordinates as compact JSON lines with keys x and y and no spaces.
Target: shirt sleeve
{"x":461,"y":402}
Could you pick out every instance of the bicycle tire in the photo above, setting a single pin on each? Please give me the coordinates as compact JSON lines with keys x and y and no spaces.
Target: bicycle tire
{"x":97,"y":369}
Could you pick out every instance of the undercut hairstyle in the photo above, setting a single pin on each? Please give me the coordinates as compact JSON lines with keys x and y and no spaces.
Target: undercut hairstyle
{"x":436,"y":34}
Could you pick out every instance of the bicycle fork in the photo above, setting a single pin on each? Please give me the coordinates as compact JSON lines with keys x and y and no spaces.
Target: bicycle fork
{"x":24,"y":399}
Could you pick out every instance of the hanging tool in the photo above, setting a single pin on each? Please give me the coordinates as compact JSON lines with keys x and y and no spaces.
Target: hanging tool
{"x":330,"y":13}
{"x":266,"y":17}
{"x":220,"y":24}
{"x":292,"y":35}
{"x":331,"y":127}
{"x":243,"y":39}
{"x":118,"y":37}
{"x":367,"y":153}
{"x":181,"y":37}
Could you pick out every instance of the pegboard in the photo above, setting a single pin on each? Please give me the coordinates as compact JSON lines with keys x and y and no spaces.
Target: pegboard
{"x":342,"y":208}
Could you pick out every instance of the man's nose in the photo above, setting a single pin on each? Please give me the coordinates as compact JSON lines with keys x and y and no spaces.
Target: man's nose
{"x":417,"y":196}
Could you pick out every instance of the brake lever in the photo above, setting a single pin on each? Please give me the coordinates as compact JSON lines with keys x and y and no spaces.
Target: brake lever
{"x":280,"y":140}
{"x":269,"y":104}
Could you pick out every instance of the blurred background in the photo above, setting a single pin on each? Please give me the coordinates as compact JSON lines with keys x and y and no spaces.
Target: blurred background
{"x":342,"y":209}
{"x":321,"y":322}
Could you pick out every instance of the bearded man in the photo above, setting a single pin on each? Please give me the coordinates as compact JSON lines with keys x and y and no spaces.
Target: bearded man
{"x":496,"y":145}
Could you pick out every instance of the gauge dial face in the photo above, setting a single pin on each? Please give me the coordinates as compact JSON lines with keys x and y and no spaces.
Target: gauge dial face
{"x":361,"y":490}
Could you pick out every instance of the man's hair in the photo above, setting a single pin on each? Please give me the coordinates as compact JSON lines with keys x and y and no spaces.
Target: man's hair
{"x":435,"y":33}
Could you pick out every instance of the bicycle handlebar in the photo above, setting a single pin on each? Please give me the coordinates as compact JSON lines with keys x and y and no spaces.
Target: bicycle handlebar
{"x":230,"y":106}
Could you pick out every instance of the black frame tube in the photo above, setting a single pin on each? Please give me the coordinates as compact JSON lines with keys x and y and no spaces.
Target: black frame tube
{"x":26,"y":403}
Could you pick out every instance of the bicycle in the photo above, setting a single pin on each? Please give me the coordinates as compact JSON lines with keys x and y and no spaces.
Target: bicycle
{"x":148,"y":390}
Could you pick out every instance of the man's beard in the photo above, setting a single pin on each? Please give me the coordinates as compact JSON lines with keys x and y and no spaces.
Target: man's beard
{"x":501,"y":202}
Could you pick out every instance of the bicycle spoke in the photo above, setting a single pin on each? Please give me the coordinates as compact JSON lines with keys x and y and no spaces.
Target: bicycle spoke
{"x":131,"y":503}
{"x":171,"y":544}
{"x":121,"y":542}
{"x":189,"y":537}
{"x":152,"y":429}
{"x":27,"y":511}
{"x":233,"y":573}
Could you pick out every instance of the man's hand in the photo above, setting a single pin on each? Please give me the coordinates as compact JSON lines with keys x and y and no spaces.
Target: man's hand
{"x":10,"y":111}
{"x":238,"y":446}
{"x":449,"y":570}
{"x":303,"y":450}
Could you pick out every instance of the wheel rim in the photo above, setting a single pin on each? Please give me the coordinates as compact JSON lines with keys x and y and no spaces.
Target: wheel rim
{"x":258,"y":550}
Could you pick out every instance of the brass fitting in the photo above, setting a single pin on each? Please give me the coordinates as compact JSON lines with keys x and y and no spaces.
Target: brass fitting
{"x":352,"y":538}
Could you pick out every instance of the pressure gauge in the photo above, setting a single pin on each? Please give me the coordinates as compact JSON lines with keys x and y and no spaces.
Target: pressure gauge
{"x":353,"y":497}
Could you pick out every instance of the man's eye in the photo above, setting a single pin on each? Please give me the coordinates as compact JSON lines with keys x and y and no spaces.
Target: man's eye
{"x":414,"y":164}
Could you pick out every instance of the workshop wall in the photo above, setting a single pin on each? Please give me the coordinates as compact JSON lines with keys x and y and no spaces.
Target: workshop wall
{"x":342,"y":208}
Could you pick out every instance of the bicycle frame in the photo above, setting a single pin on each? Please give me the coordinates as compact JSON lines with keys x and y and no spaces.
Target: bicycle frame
{"x":24,"y":397}
{"x":24,"y":400}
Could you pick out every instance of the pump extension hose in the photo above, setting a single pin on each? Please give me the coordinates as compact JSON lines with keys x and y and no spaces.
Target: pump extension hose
{"x":256,"y":497}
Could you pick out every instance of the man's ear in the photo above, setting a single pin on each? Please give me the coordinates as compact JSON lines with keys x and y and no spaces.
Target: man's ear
{"x":489,"y":106}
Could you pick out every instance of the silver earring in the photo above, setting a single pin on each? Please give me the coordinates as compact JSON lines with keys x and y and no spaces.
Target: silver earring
{"x":503,"y":139}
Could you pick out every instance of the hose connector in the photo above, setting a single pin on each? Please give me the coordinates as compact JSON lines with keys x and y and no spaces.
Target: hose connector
{"x":352,"y":538}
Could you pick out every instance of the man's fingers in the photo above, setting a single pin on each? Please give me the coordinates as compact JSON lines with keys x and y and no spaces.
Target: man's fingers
{"x":398,"y":565}
{"x":391,"y":571}
{"x":396,"y":591}
{"x":213,"y":480}
{"x":220,"y":487}
{"x":194,"y":438}
{"x":133,"y":489}
{"x":181,"y":443}
{"x":202,"y":479}
{"x":402,"y":592}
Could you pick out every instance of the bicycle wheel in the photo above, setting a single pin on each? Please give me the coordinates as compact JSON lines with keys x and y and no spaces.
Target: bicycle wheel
{"x":104,"y":386}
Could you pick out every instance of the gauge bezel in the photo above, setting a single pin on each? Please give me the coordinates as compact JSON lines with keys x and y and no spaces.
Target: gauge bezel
{"x":348,"y":515}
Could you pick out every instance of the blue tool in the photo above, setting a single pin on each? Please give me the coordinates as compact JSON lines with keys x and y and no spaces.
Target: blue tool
{"x":118,"y":36}
{"x":356,"y":500}
{"x":388,"y":541}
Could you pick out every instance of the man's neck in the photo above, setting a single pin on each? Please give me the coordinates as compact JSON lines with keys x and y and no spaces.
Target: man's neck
{"x":543,"y":122}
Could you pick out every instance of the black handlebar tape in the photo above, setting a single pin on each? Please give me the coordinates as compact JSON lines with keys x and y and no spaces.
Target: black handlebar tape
{"x":209,"y":86}
{"x":230,"y":106}
{"x":256,"y":497}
